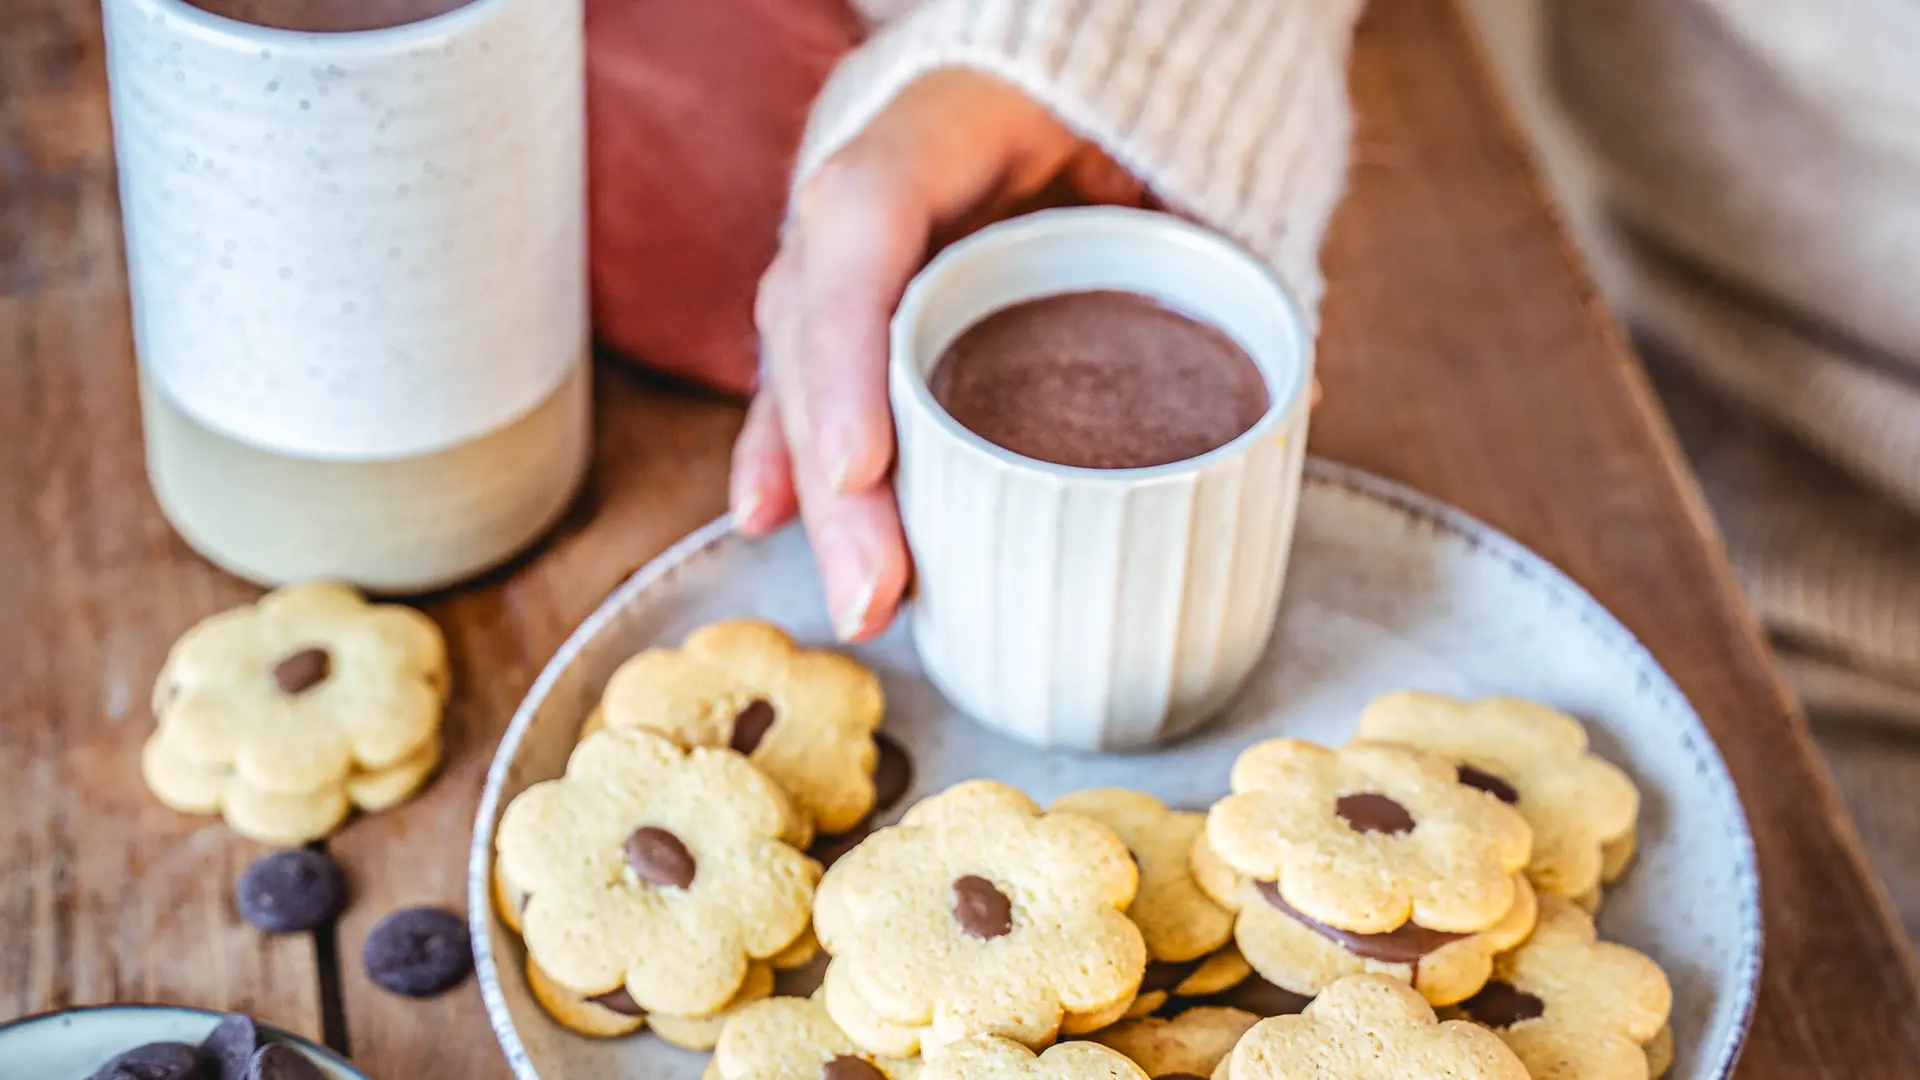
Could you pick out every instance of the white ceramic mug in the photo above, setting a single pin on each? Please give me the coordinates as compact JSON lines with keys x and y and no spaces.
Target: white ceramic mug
{"x":1100,"y":609}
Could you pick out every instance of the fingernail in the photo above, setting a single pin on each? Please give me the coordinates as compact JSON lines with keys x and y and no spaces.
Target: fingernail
{"x":842,"y":469}
{"x":745,"y":510}
{"x":853,"y":617}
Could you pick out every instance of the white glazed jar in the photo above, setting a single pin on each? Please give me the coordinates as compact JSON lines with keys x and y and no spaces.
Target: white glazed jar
{"x":357,"y":263}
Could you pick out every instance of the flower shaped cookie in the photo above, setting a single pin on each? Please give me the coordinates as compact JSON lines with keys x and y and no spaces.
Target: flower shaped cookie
{"x":979,"y":914}
{"x":988,"y":1057}
{"x":283,"y":714}
{"x":1573,"y":1007}
{"x":1306,"y":957}
{"x":1191,"y":1044}
{"x":1532,"y":758}
{"x":1179,"y":923}
{"x":1369,"y":1027}
{"x":805,"y":717}
{"x":1370,"y":836}
{"x":790,"y":1038}
{"x":655,"y":868}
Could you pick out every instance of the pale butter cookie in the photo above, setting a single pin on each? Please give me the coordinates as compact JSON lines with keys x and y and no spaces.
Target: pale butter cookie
{"x":806,"y":717}
{"x":1305,"y":957}
{"x":793,"y":1038}
{"x":1370,"y":837}
{"x":988,"y":1057}
{"x":1181,"y":925}
{"x":284,"y":714}
{"x":1369,"y":1027}
{"x":1574,"y":1007}
{"x":1186,"y":1047}
{"x":1534,"y":759}
{"x":656,"y":868}
{"x":980,"y":914}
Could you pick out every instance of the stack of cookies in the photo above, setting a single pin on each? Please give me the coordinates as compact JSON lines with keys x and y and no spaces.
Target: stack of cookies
{"x":286,"y":715}
{"x":1410,"y":905}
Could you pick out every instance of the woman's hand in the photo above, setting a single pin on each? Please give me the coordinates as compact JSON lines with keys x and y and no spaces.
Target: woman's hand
{"x":957,"y":150}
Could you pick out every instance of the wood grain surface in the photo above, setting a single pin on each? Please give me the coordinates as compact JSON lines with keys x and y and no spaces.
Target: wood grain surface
{"x":1464,"y":353}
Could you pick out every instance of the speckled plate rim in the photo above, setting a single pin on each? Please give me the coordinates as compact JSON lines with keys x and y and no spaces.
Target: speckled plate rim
{"x":106,"y":1010}
{"x":1408,"y":503}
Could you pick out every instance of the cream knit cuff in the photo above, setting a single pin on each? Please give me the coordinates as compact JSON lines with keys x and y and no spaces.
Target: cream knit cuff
{"x":1233,"y":112}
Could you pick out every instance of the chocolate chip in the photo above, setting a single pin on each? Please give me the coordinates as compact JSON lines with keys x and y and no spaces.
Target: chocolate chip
{"x":1502,"y":1005}
{"x":1404,"y":944}
{"x":848,"y":1067}
{"x":229,"y":1047}
{"x":154,"y":1061}
{"x":657,"y":857}
{"x":291,"y":891}
{"x":750,"y":725}
{"x":300,"y":671}
{"x":278,"y":1061}
{"x":418,"y":952}
{"x":983,"y":910}
{"x":620,"y":1001}
{"x":1369,"y":812}
{"x":1165,"y":976}
{"x":1489,"y":783}
{"x":892,"y":773}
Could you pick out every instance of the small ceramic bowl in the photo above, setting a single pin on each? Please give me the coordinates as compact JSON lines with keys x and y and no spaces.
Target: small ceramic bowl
{"x":75,"y":1042}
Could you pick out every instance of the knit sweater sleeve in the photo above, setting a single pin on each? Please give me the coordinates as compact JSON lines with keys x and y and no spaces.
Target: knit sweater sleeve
{"x":1233,"y":112}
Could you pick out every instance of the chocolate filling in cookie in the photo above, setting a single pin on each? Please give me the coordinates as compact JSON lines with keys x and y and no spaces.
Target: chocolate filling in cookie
{"x":1371,"y":812}
{"x":1502,"y":1005}
{"x":1163,"y":975}
{"x":657,"y":857}
{"x":1404,"y":944}
{"x":1253,"y":994}
{"x":892,"y":776}
{"x":982,"y":909}
{"x":1489,"y":783}
{"x":618,"y":1000}
{"x":750,"y":725}
{"x":298,"y":672}
{"x":848,"y":1067}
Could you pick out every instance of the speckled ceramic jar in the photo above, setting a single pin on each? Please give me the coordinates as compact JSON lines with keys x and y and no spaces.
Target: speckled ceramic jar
{"x":357,"y":263}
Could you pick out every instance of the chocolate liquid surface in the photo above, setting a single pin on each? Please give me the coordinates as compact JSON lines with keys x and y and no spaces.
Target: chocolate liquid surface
{"x":1099,"y":380}
{"x":328,"y":16}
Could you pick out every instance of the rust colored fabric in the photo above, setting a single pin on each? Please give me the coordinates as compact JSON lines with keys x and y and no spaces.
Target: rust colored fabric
{"x":694,"y":113}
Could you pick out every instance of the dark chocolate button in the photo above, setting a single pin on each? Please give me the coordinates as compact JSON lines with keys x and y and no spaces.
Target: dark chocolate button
{"x":657,"y":857}
{"x":1370,"y":812}
{"x":983,"y":910}
{"x":618,"y":1000}
{"x":1165,"y":976}
{"x":278,"y":1061}
{"x":291,"y":891}
{"x":154,"y":1061}
{"x":1404,"y":944}
{"x":418,"y":952}
{"x":301,"y":671}
{"x":229,"y":1047}
{"x":1502,"y":1005}
{"x":848,"y":1067}
{"x":750,"y":725}
{"x":892,"y":773}
{"x":1489,"y":783}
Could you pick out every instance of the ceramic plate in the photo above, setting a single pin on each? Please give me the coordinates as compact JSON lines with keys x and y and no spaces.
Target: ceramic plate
{"x":1387,"y":590}
{"x":72,"y":1043}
